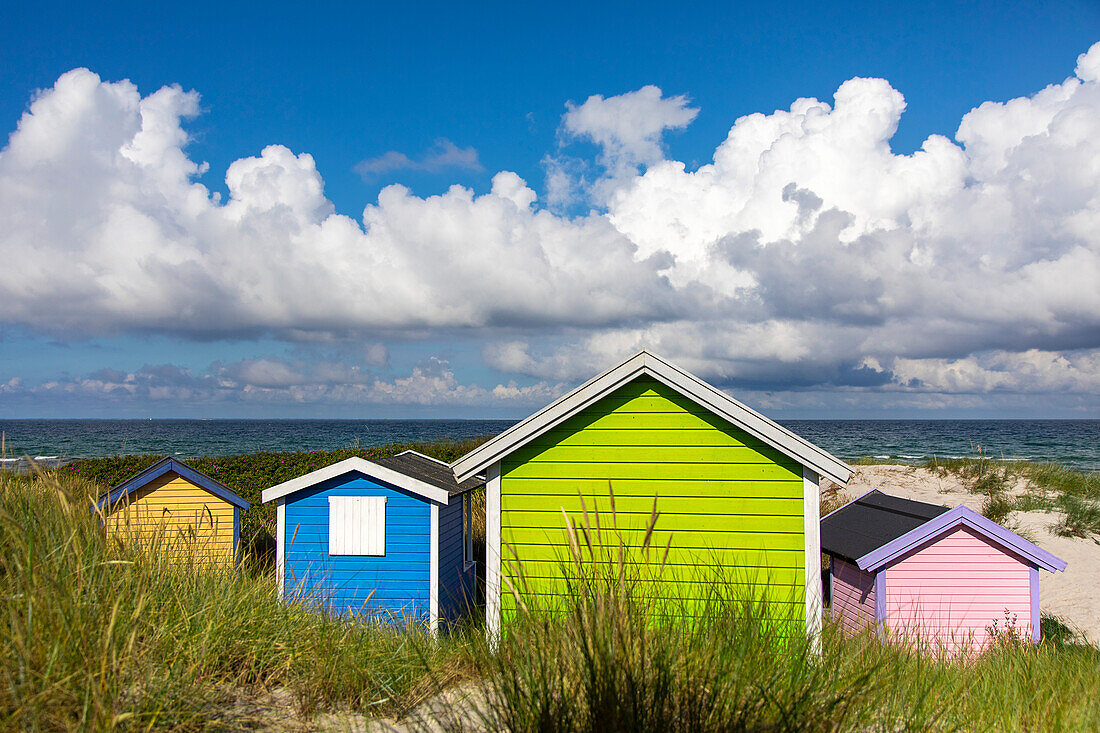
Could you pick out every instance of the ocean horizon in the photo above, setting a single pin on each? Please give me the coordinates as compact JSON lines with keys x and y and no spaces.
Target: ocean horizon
{"x":1073,"y":443}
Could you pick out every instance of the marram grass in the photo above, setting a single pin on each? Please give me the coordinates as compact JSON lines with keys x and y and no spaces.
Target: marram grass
{"x":97,"y":637}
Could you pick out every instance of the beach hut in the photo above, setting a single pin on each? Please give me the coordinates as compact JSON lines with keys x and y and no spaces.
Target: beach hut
{"x":735,"y":491}
{"x":948,"y":578}
{"x":389,"y":538}
{"x":176,"y":509}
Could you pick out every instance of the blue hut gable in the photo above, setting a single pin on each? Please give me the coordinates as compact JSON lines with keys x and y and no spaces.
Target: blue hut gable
{"x":388,"y":539}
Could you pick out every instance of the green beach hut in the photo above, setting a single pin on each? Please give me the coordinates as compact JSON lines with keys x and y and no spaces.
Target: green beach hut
{"x":736,"y":491}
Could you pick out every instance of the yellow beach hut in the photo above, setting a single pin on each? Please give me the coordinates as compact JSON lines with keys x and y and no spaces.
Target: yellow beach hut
{"x":172,"y":507}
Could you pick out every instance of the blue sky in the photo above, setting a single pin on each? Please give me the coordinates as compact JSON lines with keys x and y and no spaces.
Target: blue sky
{"x":432,"y":96}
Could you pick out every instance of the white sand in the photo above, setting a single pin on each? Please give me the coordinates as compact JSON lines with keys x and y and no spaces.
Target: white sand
{"x":1073,"y":596}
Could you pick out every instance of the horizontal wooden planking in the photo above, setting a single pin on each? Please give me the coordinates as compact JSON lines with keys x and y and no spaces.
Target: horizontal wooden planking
{"x":317,"y":524}
{"x":356,"y":566}
{"x":639,"y":435}
{"x":782,"y":602}
{"x":173,"y":534}
{"x":380,"y":587}
{"x":141,"y":519}
{"x":630,"y":521}
{"x":313,"y":544}
{"x":648,"y":454}
{"x":158,"y":501}
{"x":173,"y":537}
{"x":706,"y":575}
{"x":394,"y":510}
{"x":168,"y":495}
{"x":648,"y":488}
{"x":769,"y":557}
{"x":680,"y":539}
{"x":662,"y":471}
{"x":918,"y":567}
{"x":631,"y":504}
{"x":409,"y":590}
{"x":993,"y":598}
{"x":647,"y":421}
{"x":170,"y":520}
{"x":158,"y":504}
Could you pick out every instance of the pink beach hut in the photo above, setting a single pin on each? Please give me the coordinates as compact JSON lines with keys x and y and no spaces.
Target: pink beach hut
{"x":947,"y":578}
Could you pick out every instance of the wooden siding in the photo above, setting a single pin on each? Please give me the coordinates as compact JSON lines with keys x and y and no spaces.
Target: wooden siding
{"x":454,"y":582}
{"x":950,"y":591}
{"x":395,"y":585}
{"x":853,"y":604}
{"x":732,"y":505}
{"x":172,"y":515}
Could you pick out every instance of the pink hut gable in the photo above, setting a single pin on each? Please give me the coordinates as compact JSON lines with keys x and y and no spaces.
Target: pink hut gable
{"x":955,"y":589}
{"x":946,"y":578}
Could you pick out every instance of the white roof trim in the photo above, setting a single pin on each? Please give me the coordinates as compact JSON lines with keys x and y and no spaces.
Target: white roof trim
{"x":363,"y":466}
{"x":695,"y":389}
{"x":418,"y":453}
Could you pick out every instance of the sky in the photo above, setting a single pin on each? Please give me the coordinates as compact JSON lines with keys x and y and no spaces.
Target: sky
{"x":435,"y":210}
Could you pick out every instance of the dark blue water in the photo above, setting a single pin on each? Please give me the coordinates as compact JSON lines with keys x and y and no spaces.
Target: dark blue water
{"x":1074,"y":443}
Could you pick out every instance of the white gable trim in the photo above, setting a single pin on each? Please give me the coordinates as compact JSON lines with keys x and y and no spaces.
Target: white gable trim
{"x":718,"y":402}
{"x":410,"y":451}
{"x":365,"y":467}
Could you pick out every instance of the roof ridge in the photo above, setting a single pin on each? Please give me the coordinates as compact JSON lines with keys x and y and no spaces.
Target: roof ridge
{"x":711,"y":398}
{"x":418,"y":453}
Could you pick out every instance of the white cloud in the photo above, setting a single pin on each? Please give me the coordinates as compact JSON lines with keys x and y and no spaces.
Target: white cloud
{"x":1030,"y":371}
{"x":443,"y":155}
{"x":807,"y":253}
{"x":628,"y":127}
{"x":628,"y":130}
{"x":278,"y":381}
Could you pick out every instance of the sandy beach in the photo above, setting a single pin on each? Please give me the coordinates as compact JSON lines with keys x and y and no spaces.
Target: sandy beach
{"x":1071,"y":595}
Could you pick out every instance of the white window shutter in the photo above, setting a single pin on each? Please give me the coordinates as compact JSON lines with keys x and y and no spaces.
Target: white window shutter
{"x":357,"y":525}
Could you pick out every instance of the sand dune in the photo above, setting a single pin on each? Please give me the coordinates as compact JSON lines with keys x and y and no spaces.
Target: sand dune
{"x":1073,"y":596}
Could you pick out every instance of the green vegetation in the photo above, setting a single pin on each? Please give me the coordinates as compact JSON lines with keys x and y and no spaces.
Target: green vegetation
{"x":615,"y":654}
{"x":98,"y":637}
{"x":1045,"y":487}
{"x":250,"y":474}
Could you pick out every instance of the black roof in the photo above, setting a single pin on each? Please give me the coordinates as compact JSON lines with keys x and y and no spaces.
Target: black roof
{"x":430,"y":471}
{"x":871,"y":521}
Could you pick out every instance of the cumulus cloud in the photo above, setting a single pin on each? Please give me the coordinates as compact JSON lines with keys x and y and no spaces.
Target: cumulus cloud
{"x":627,"y":128}
{"x":443,"y":155}
{"x":805,"y":254}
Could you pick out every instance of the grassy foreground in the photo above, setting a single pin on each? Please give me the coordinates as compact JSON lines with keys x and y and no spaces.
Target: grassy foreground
{"x":95,"y":637}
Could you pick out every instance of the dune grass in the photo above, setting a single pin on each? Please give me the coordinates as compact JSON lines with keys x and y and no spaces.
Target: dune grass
{"x":96,"y":636}
{"x":1049,"y":487}
{"x":615,"y":654}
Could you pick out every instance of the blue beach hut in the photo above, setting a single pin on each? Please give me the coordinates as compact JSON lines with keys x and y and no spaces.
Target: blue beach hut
{"x":389,"y":538}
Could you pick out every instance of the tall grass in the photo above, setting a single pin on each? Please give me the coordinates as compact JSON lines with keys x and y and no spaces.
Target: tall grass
{"x":97,"y":635}
{"x":615,"y":653}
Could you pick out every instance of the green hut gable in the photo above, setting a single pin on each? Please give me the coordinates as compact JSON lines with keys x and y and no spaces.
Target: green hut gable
{"x":736,"y":492}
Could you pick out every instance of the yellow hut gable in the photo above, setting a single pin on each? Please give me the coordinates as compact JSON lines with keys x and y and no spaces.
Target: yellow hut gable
{"x":172,"y":508}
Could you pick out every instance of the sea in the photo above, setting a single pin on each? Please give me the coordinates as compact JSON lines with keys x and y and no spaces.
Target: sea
{"x":1073,"y":443}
